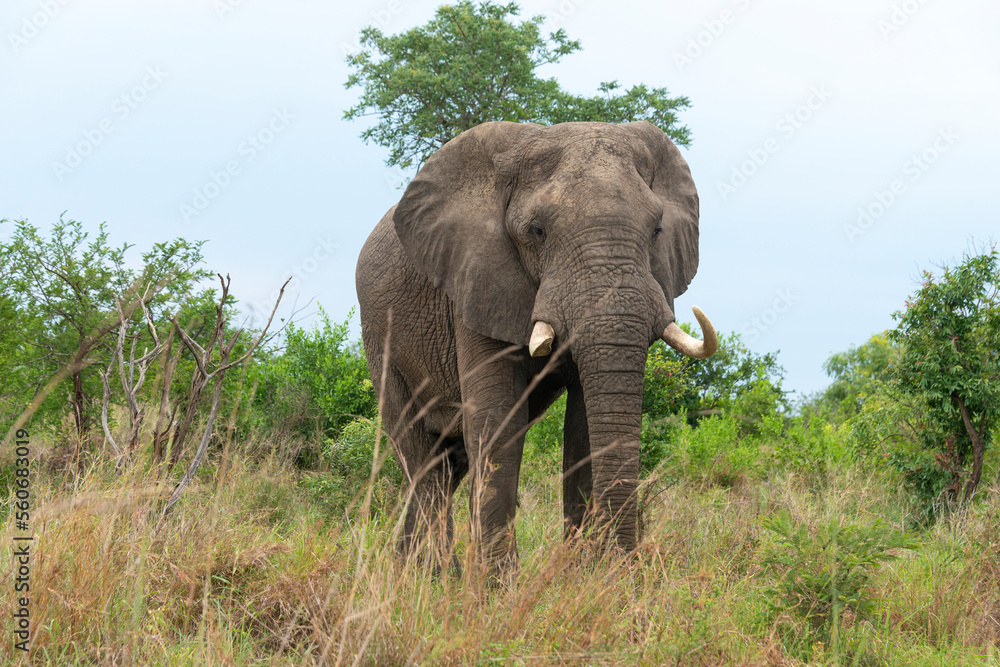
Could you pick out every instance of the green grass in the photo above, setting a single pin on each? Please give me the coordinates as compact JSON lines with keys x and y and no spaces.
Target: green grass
{"x":264,"y":565}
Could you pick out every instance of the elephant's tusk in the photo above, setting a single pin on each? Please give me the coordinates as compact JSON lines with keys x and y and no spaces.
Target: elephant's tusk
{"x":542,"y":336}
{"x":676,"y":338}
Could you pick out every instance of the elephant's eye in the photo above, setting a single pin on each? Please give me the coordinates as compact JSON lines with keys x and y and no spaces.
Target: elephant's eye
{"x":536,"y":230}
{"x":657,"y":231}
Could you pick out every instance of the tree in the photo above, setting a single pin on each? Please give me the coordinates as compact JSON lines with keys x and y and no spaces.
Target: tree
{"x":732,"y":381}
{"x":949,"y":337}
{"x":59,"y":293}
{"x":853,"y":373}
{"x":471,"y":64}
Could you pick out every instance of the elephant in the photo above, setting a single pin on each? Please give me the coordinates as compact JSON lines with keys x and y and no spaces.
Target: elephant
{"x":523,"y":261}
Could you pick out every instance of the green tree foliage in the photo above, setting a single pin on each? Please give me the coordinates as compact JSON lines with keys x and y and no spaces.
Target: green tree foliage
{"x":949,"y":335}
{"x":318,"y":384}
{"x":733,"y":381}
{"x":471,"y":64}
{"x":18,"y":330}
{"x":931,"y":413}
{"x":895,"y":426}
{"x":853,"y":373}
{"x":736,"y":393}
{"x":58,"y":307}
{"x":58,"y":293}
{"x":668,"y":385}
{"x":734,"y":398}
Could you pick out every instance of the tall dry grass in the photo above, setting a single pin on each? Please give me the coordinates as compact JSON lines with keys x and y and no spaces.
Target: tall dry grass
{"x":250,"y":569}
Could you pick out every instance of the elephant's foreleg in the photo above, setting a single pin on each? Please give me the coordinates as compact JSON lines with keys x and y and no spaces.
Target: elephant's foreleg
{"x":495,"y":410}
{"x":433,"y":467}
{"x":577,"y":478}
{"x":428,"y":517}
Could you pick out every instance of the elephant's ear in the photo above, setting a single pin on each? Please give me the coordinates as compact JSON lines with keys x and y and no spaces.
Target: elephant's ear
{"x":674,"y":260}
{"x":451,"y":223}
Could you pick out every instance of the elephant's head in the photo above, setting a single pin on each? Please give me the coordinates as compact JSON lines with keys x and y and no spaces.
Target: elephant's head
{"x":580,"y":232}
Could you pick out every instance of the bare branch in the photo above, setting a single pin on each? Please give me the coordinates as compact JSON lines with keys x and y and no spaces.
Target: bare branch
{"x":119,"y":355}
{"x":169,"y":364}
{"x":104,"y":414}
{"x":260,"y":338}
{"x":202,"y":447}
{"x":197,"y":351}
{"x":200,"y":379}
{"x":80,"y":360}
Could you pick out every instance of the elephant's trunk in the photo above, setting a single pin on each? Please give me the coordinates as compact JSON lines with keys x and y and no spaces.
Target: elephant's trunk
{"x":611,"y":375}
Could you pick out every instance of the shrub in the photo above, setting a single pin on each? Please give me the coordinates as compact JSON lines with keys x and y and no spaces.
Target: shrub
{"x":658,"y":442}
{"x":949,"y":335}
{"x":894,"y":429}
{"x":666,"y":383}
{"x":822,"y":573}
{"x":809,"y":443}
{"x":712,"y":453}
{"x":352,"y":453}
{"x":317,"y":385}
{"x":349,"y":458}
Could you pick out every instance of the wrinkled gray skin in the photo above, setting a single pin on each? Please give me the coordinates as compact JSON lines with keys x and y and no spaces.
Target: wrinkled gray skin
{"x":590,"y":227}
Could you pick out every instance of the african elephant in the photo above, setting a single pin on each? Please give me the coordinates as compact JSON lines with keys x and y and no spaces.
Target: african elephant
{"x":513,"y":242}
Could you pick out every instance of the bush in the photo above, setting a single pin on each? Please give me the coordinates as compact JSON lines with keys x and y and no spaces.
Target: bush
{"x":823,"y":573}
{"x":734,"y":381}
{"x":809,"y":443}
{"x":353,"y":453}
{"x":722,"y":451}
{"x":741,"y":387}
{"x":712,"y":453}
{"x":666,"y":383}
{"x":348,"y":459}
{"x":658,"y":441}
{"x":317,"y":385}
{"x":894,"y":430}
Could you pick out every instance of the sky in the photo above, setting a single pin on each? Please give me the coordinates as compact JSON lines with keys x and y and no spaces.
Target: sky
{"x":839,"y":147}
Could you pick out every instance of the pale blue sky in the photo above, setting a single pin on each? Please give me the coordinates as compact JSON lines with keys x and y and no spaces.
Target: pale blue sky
{"x":221,"y":120}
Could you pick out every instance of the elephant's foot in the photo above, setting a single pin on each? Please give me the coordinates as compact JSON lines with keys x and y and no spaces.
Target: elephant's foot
{"x":500,"y":563}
